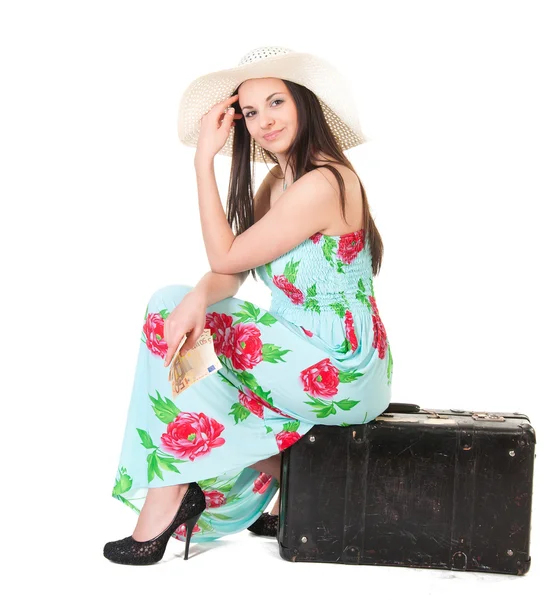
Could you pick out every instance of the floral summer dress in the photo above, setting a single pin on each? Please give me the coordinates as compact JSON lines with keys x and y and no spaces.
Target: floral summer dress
{"x":319,"y":355}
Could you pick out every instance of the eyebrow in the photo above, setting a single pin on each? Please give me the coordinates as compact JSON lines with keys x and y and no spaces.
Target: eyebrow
{"x":274,"y":94}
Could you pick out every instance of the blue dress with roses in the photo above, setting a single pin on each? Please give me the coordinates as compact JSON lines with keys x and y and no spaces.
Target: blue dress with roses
{"x":319,"y":355}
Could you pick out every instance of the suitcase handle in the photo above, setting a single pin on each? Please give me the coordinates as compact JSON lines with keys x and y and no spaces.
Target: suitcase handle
{"x":402,"y":408}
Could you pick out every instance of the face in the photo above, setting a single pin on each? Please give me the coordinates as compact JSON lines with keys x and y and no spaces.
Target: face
{"x":267,"y":106}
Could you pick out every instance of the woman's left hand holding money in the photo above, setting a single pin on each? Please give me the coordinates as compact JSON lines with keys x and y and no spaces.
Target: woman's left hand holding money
{"x":215,"y":129}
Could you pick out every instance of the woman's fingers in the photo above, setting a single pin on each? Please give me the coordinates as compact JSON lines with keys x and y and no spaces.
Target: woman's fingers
{"x":227,"y":101}
{"x":192,"y":338}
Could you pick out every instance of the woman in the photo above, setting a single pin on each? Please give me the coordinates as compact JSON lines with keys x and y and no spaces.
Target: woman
{"x":208,"y":464}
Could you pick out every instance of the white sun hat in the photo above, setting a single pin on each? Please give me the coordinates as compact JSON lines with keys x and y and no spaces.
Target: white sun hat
{"x":315,"y":73}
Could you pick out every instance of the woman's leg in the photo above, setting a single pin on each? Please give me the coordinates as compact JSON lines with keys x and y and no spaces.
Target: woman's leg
{"x":160,"y":507}
{"x":271,"y":466}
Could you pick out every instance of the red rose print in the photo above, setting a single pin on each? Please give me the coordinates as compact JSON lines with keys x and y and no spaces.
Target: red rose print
{"x":307,"y":332}
{"x":350,"y":245}
{"x":350,"y":331}
{"x":182,"y":530}
{"x":154,"y":331}
{"x":247,"y":346}
{"x":221,"y":325}
{"x":321,"y":379}
{"x":215,"y":499}
{"x":373,"y":304}
{"x":285,"y":439}
{"x":380,"y":341}
{"x":252,"y":402}
{"x":255,"y":404}
{"x":191,"y":435}
{"x":316,"y":237}
{"x":261,"y":483}
{"x":294,"y":294}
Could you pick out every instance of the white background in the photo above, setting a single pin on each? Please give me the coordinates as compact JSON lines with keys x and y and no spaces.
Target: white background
{"x":99,"y":210}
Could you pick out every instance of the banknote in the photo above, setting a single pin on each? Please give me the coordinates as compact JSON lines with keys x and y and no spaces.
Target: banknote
{"x":199,"y":362}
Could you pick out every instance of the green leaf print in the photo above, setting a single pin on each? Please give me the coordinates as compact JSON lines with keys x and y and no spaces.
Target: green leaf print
{"x":220,"y":516}
{"x":312,"y":304}
{"x":372,"y":287}
{"x":268,"y":429}
{"x":204,"y":525}
{"x":290,"y":272}
{"x":268,"y":270}
{"x":316,"y":401}
{"x":320,"y":408}
{"x":348,"y":376}
{"x":346,"y":404}
{"x":291,"y":426}
{"x":324,"y":409}
{"x":146,"y":313}
{"x":123,"y":484}
{"x":339,"y":309}
{"x":239,"y":412}
{"x":362,"y":297}
{"x":344,"y":348}
{"x":273,"y":354}
{"x":207,"y":482}
{"x":312,"y":291}
{"x":153,"y":468}
{"x":165,"y":411}
{"x":227,"y":486}
{"x":325,"y":412}
{"x":247,"y":379}
{"x":167,"y":464}
{"x":328,"y":249}
{"x":340,"y":267}
{"x":250,"y":313}
{"x":262,"y":394}
{"x":164,"y":313}
{"x":146,"y":439}
{"x":361,"y":285}
{"x":390,"y":365}
{"x":224,"y":378}
{"x":267,"y":319}
{"x":128,"y":503}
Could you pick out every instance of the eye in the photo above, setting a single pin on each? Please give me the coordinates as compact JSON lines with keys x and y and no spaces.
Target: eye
{"x":277,"y":100}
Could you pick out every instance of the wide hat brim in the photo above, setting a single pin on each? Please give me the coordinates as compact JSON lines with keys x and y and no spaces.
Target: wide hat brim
{"x":313,"y":72}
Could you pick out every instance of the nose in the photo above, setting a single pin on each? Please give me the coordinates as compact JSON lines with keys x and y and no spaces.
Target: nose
{"x":267,"y":122}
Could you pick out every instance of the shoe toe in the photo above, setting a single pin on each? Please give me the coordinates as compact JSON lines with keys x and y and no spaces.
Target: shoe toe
{"x":111,"y":550}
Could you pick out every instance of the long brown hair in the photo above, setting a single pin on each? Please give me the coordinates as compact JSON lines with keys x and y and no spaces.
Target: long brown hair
{"x":313,"y":136}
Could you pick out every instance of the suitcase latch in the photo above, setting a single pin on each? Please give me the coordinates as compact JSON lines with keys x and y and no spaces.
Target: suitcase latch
{"x":482,"y":416}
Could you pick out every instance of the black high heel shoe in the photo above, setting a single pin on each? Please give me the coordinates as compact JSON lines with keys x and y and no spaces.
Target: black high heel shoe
{"x":266,"y":524}
{"x":129,"y":551}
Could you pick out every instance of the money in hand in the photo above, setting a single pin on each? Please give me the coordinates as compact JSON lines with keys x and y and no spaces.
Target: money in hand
{"x":199,"y":362}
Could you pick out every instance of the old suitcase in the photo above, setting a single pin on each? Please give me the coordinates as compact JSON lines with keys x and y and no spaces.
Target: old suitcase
{"x":445,"y":489}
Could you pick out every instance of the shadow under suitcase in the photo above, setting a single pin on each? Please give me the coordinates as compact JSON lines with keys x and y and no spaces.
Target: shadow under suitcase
{"x":445,"y":489}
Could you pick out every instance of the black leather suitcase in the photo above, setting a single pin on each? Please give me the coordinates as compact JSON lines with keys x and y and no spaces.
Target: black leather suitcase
{"x":445,"y":489}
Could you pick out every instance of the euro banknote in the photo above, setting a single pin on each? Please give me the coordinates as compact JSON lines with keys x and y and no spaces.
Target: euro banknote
{"x":199,"y":362}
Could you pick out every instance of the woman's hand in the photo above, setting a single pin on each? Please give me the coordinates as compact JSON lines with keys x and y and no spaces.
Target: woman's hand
{"x":189,"y":317}
{"x":215,"y":128}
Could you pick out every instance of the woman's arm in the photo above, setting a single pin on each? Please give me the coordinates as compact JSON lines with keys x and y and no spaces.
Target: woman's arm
{"x":213,"y":286}
{"x":309,"y":205}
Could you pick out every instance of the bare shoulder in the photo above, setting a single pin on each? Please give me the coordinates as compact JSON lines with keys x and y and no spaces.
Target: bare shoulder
{"x":349,"y":178}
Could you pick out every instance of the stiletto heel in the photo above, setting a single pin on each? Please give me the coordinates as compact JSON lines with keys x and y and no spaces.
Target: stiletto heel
{"x":129,"y":551}
{"x":190,"y":524}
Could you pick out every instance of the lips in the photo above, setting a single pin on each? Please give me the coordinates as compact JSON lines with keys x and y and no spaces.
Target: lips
{"x":272,"y":136}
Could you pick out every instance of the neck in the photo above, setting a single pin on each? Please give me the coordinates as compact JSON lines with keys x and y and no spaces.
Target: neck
{"x":287,"y":174}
